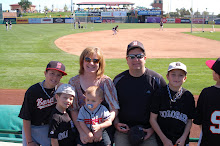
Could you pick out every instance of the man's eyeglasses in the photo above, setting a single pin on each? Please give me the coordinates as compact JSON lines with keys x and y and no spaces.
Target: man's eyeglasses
{"x":87,"y":59}
{"x":138,"y":56}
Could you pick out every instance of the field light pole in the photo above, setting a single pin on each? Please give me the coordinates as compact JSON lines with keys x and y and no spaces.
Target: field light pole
{"x":191,"y":15}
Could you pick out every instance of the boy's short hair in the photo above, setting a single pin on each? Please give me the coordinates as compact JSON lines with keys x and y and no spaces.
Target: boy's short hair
{"x":66,"y":88}
{"x":214,"y":65}
{"x":177,"y":65}
{"x":95,"y":89}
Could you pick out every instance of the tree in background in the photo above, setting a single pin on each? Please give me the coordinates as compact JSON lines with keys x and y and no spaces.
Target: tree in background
{"x":65,"y":8}
{"x":218,"y":15}
{"x":197,"y":14}
{"x":25,"y":4}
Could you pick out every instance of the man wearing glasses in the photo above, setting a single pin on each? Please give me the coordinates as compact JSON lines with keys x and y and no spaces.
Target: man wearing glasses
{"x":135,"y":88}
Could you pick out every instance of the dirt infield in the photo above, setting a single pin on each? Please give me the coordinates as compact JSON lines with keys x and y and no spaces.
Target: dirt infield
{"x":170,"y":43}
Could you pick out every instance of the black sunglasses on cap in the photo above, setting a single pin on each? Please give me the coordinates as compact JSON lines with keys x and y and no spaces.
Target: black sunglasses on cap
{"x":87,"y":59}
{"x":138,"y":56}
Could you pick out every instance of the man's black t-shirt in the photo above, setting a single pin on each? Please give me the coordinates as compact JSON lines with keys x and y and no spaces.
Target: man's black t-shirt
{"x":134,"y":95}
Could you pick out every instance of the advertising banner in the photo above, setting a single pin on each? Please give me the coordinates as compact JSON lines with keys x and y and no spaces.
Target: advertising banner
{"x":108,"y":19}
{"x":164,"y":20}
{"x":34,"y":20}
{"x":22,"y":20}
{"x":58,"y":20}
{"x":153,"y":19}
{"x":119,"y":14}
{"x":94,"y":14}
{"x":185,"y":21}
{"x":47,"y":20}
{"x":198,"y":21}
{"x":13,"y":20}
{"x":96,"y":18}
{"x":69,"y":20}
{"x":154,"y":12}
{"x":217,"y":21}
{"x":177,"y":20}
{"x":104,"y":14}
{"x":170,"y":20}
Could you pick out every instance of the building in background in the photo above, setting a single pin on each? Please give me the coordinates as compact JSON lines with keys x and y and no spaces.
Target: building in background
{"x":18,"y":8}
{"x":158,"y":4}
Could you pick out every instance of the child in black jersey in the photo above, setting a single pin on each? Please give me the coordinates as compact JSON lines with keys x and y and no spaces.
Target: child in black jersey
{"x":38,"y":104}
{"x":61,"y":129}
{"x":208,"y":109}
{"x":172,"y":109}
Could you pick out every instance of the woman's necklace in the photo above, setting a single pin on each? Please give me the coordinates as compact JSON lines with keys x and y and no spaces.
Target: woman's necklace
{"x":176,"y":96}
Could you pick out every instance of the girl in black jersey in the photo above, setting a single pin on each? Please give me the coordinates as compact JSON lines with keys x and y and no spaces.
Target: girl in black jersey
{"x":38,"y":104}
{"x":172,"y":109}
{"x":208,"y":109}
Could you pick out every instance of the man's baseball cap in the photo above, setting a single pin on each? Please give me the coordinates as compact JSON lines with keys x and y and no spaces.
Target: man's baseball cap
{"x":135,"y":44}
{"x":67,"y":89}
{"x":56,"y":65}
{"x":214,"y":65}
{"x":177,"y":65}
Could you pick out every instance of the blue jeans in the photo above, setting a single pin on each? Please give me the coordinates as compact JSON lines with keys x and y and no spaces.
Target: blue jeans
{"x":39,"y":135}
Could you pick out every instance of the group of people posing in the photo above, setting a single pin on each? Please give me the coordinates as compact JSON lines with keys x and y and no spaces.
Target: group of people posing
{"x":137,"y":108}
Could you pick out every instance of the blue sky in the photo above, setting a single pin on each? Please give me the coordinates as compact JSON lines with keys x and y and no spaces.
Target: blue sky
{"x":169,"y":5}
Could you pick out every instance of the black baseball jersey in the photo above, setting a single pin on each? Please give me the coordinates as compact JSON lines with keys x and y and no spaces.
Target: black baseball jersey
{"x":172,"y":116}
{"x":62,"y":128}
{"x":115,"y":28}
{"x":161,"y":23}
{"x":37,"y":105}
{"x":134,"y":95}
{"x":208,"y":115}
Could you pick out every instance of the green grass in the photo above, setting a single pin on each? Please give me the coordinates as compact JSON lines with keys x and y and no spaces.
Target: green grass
{"x":27,"y":49}
{"x":207,"y":34}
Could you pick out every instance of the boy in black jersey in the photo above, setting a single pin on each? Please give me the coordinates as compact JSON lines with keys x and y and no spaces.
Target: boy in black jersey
{"x":208,"y":109}
{"x":172,"y":109}
{"x":38,"y":104}
{"x":61,"y":129}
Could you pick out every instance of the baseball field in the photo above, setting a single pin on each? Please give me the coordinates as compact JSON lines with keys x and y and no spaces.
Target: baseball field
{"x":27,"y":48}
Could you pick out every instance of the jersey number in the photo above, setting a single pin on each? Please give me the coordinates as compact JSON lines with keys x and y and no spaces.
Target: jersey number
{"x":215,"y":119}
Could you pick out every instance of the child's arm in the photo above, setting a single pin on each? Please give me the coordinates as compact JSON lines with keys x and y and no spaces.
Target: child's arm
{"x":182,"y":139}
{"x":156,"y":127}
{"x":103,"y":125}
{"x":27,"y":131}
{"x":86,"y":130}
{"x":54,"y":142}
